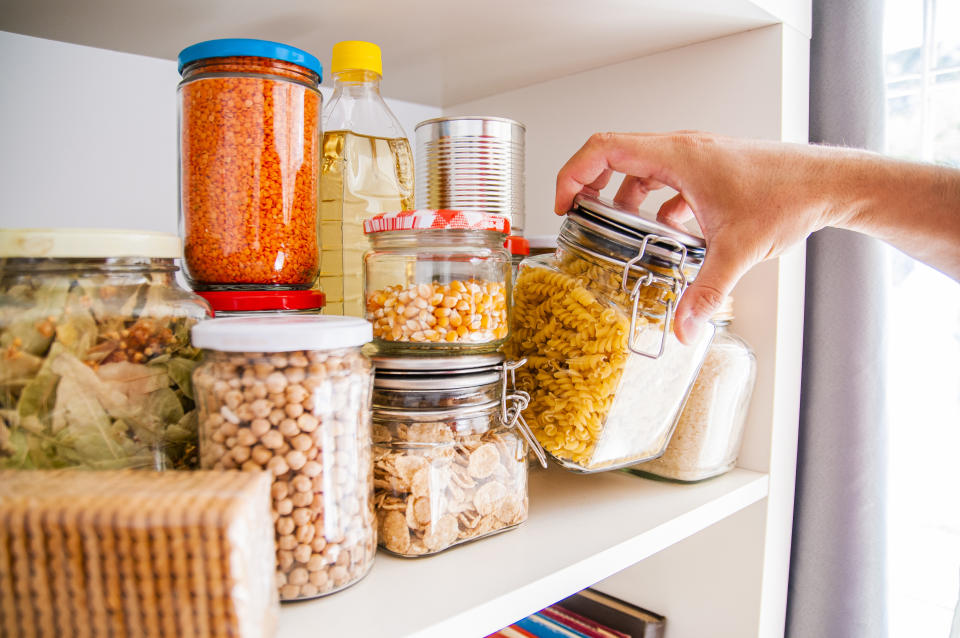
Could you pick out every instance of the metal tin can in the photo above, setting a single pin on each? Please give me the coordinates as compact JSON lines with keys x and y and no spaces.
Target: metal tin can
{"x":472,"y":163}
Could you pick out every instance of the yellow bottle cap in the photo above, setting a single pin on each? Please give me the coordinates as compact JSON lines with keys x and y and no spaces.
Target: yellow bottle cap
{"x":355,"y":55}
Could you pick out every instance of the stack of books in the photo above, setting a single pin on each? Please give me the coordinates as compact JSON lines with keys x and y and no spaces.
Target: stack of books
{"x":587,"y":614}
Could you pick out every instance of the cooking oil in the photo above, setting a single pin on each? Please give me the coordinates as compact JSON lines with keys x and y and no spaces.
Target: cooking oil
{"x":360,"y":176}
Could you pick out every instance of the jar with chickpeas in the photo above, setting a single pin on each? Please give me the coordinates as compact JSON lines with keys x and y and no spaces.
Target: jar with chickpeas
{"x":291,"y":395}
{"x":437,"y":281}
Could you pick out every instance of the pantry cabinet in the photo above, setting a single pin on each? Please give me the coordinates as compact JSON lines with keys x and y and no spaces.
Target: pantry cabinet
{"x":90,"y":139}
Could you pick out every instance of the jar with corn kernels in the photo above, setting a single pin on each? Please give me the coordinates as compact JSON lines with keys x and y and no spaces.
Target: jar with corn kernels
{"x":437,"y":281}
{"x":249,"y":124}
{"x":449,"y":451}
{"x":291,"y":395}
{"x":607,"y":377}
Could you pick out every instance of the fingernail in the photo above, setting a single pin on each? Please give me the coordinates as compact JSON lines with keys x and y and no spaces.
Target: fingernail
{"x":690,"y":327}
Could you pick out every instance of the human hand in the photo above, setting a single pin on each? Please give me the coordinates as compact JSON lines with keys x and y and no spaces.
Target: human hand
{"x":752,"y":199}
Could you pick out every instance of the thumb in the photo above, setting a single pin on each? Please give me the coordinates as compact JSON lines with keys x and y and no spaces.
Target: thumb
{"x":721,"y":269}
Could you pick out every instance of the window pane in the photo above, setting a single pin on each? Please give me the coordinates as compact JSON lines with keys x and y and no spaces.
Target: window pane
{"x":904,"y":132}
{"x":946,"y":34}
{"x":903,"y":25}
{"x":945,"y":117}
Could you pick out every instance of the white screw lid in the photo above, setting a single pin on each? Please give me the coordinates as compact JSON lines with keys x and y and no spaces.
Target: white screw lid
{"x":281,"y":334}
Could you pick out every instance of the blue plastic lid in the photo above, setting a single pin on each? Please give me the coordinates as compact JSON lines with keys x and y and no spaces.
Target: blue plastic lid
{"x":246,"y":47}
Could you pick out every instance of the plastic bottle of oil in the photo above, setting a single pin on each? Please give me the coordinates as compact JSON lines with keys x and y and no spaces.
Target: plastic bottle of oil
{"x":367,"y":168}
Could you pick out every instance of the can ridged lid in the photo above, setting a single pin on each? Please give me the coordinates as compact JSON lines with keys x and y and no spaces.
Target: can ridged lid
{"x":248,"y":47}
{"x":281,"y":334}
{"x":435,"y":220}
{"x":87,"y":243}
{"x":356,"y":55}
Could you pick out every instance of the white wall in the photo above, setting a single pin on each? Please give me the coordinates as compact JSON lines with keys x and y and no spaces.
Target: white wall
{"x":722,"y":85}
{"x":90,"y":136}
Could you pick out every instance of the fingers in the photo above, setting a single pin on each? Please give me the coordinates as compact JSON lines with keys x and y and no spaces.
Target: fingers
{"x":585,"y":171}
{"x":633,"y":190}
{"x":646,"y":157}
{"x":675,"y":212}
{"x":721,"y":270}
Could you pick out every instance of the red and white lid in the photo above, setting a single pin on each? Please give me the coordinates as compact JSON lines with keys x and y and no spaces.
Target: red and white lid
{"x":436,"y":219}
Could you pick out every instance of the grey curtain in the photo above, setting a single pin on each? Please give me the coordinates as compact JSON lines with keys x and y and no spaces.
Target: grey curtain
{"x":837,"y":568}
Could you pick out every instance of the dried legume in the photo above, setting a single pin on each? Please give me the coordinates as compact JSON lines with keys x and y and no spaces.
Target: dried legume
{"x":320,"y":461}
{"x":471,"y":311}
{"x":249,"y":153}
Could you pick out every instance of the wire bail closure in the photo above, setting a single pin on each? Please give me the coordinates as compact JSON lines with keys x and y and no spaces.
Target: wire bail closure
{"x":512,"y":404}
{"x":677,"y":285}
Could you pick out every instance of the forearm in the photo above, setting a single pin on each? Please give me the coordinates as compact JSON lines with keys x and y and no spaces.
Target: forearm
{"x":914,"y":207}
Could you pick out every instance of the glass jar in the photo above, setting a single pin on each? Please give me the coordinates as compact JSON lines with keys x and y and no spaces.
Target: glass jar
{"x":259,"y":303}
{"x":707,"y":439}
{"x":249,"y":164}
{"x":96,"y":354}
{"x":291,"y":395}
{"x":437,"y":281}
{"x":606,"y":375}
{"x":449,"y":452}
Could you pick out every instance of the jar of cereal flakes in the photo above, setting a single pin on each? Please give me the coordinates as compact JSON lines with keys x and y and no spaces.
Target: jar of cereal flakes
{"x":291,"y":395}
{"x":437,"y":281}
{"x":606,"y":375}
{"x":449,"y":451}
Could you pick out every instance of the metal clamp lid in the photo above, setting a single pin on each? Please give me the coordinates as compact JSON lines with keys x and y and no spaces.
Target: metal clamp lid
{"x":677,"y":284}
{"x":511,"y":415}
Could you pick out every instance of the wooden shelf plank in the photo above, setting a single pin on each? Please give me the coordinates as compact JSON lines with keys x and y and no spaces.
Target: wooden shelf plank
{"x":581,"y":529}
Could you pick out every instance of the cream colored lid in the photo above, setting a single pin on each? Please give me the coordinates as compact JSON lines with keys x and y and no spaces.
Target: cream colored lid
{"x":87,"y":242}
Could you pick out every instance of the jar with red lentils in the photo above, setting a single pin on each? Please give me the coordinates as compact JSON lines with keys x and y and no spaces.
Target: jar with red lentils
{"x":437,"y":281}
{"x":249,"y":114}
{"x":291,"y":395}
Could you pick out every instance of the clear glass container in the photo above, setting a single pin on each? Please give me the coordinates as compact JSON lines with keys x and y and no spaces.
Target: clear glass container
{"x":708,"y":435}
{"x":259,"y":303}
{"x":606,"y":375}
{"x":96,"y":354}
{"x":291,"y":395}
{"x":367,"y":168}
{"x":249,"y":114}
{"x":437,"y":281}
{"x":449,"y":452}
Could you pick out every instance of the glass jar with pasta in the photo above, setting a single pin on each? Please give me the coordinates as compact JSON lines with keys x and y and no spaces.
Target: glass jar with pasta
{"x":606,"y":375}
{"x":437,"y":281}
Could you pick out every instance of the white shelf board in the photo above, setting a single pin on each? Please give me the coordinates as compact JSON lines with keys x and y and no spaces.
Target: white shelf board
{"x":581,"y":529}
{"x":435,"y":52}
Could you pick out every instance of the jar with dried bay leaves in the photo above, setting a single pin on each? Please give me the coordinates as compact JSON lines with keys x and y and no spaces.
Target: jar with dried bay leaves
{"x":449,"y":452}
{"x":95,"y":354}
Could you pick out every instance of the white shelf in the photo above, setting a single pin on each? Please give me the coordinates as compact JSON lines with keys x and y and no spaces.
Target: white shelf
{"x":435,"y":52}
{"x":581,"y":529}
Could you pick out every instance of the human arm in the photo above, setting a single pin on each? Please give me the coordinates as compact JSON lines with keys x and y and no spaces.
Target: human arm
{"x":754,"y":199}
